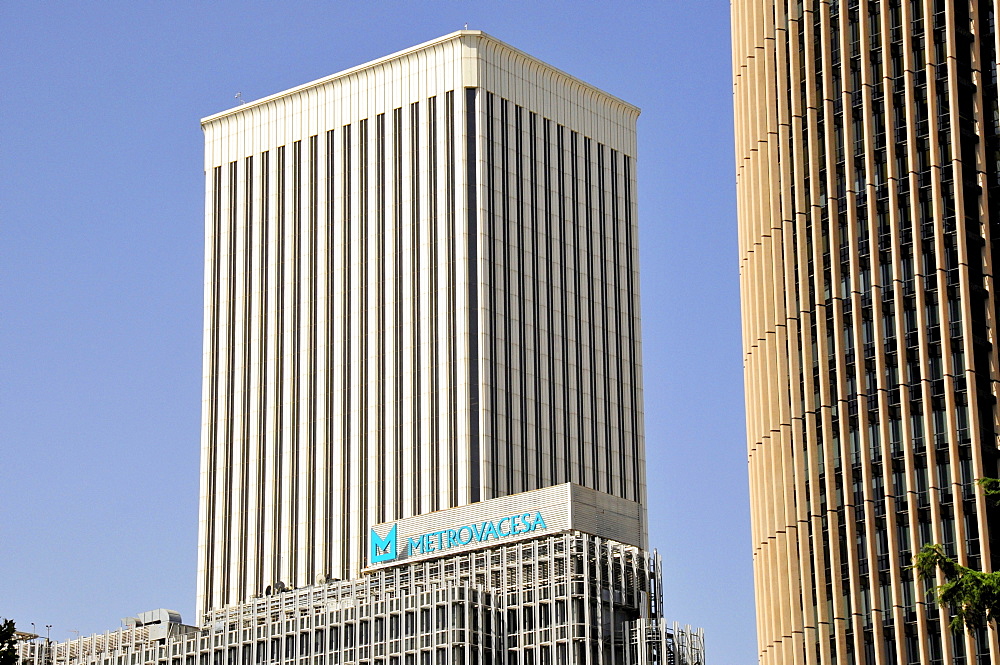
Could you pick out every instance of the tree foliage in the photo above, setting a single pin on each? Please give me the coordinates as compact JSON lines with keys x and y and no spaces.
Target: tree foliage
{"x":991,"y":490}
{"x":972,"y":596}
{"x":8,"y":642}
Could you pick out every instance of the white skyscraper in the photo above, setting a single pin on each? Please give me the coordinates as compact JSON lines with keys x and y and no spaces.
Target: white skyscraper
{"x":421,"y":292}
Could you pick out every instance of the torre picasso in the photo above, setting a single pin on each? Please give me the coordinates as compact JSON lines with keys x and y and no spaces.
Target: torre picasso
{"x":422,"y":432}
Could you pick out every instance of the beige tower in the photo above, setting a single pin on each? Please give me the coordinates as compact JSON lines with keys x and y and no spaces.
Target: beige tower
{"x":866,"y":158}
{"x":421,"y":292}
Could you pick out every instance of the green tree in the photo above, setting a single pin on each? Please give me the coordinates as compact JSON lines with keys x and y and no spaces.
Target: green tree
{"x":991,"y":490}
{"x":8,"y":642}
{"x":972,"y":595}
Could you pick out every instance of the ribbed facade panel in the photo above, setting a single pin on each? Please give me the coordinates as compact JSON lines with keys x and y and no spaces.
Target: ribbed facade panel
{"x":866,"y":148}
{"x":421,"y":292}
{"x":561,"y":316}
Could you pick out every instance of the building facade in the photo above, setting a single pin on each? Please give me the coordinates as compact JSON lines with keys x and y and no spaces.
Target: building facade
{"x":549,"y":595}
{"x":422,"y":436}
{"x":421,"y":292}
{"x":867,"y":181}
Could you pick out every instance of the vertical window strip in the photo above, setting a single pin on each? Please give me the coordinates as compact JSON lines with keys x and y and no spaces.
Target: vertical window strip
{"x":263,"y":436}
{"x":279,"y":370}
{"x":492,"y":368}
{"x":473,"y":284}
{"x":550,"y":291}
{"x":398,"y":377}
{"x":248,"y":387}
{"x":508,"y":264}
{"x":434,"y":408}
{"x":363,"y":426}
{"x":415,"y":287}
{"x":351,"y":451}
{"x":620,"y":341}
{"x":520,"y":252}
{"x":452,"y":359}
{"x":295,"y":491}
{"x":313,"y":212}
{"x":633,"y":342}
{"x":561,"y":242}
{"x":499,"y":289}
{"x":578,"y":329}
{"x":335,"y":518}
{"x":591,"y":279}
{"x":537,"y":293}
{"x":212,"y":435}
{"x":380,"y":316}
{"x":228,"y":523}
{"x":611,"y":434}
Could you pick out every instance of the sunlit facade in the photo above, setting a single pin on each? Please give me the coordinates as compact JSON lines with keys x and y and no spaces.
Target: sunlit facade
{"x":421,"y":292}
{"x":867,"y":180}
{"x":422,"y":436}
{"x":555,"y":595}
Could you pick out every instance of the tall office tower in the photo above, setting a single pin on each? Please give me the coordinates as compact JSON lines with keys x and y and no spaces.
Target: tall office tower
{"x":866,"y":148}
{"x":421,"y":292}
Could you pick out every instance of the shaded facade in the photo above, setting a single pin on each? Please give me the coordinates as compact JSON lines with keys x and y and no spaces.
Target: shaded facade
{"x":866,"y":148}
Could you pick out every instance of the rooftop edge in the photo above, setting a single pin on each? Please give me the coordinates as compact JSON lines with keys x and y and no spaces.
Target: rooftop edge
{"x":398,"y":54}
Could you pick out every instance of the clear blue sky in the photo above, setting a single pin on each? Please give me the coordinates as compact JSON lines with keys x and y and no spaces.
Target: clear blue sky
{"x":101,"y":248}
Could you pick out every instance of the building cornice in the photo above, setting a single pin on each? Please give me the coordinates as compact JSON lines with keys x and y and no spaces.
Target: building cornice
{"x":466,"y":35}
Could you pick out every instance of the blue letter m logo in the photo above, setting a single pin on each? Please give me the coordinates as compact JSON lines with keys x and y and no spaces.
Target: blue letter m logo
{"x":383,"y":549}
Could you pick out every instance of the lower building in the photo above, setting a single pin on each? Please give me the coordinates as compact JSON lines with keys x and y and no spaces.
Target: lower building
{"x":651,"y":641}
{"x":507,"y":581}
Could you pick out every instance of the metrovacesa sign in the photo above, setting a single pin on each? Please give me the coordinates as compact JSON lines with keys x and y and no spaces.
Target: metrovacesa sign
{"x":387,"y":549}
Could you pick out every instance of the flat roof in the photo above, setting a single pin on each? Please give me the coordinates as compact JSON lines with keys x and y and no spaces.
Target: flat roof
{"x":399,"y":54}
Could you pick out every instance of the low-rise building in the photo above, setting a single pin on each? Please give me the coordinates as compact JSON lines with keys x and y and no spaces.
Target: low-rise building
{"x":513,"y":580}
